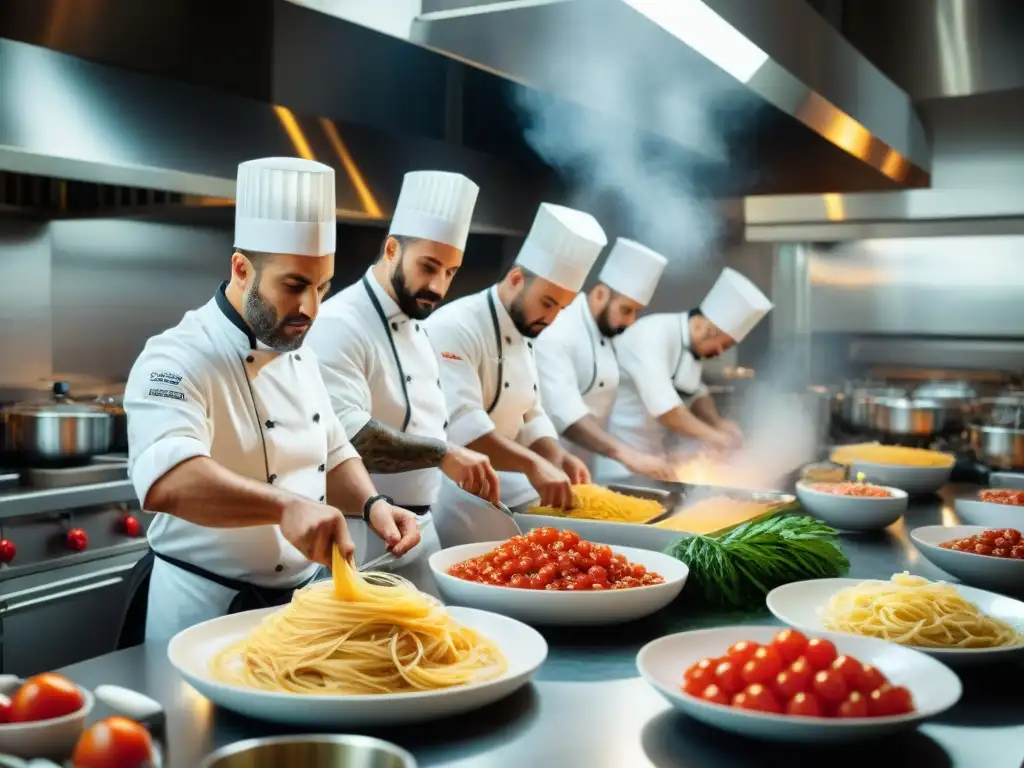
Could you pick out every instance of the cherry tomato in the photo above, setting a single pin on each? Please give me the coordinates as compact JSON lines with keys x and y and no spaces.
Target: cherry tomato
{"x":819,"y":653}
{"x":740,"y":652}
{"x":728,"y":678}
{"x":116,"y":742}
{"x":870,"y":679}
{"x":518,"y":581}
{"x":805,"y":705}
{"x":603,"y":556}
{"x":796,"y":679}
{"x":698,"y":681}
{"x":829,"y":686}
{"x":132,"y":526}
{"x":7,"y":550}
{"x":569,"y":538}
{"x":763,"y":666}
{"x":715,"y":695}
{"x":703,"y":664}
{"x":757,"y":698}
{"x":851,"y":670}
{"x":855,"y":705}
{"x":790,"y":644}
{"x":890,"y":700}
{"x":5,"y":709}
{"x":76,"y":540}
{"x":44,"y":697}
{"x":585,"y":548}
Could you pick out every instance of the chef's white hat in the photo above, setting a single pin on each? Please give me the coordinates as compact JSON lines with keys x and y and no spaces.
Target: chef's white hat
{"x":562,"y":245}
{"x":435,"y":205}
{"x":735,"y":304}
{"x":285,"y":205}
{"x":632,"y":270}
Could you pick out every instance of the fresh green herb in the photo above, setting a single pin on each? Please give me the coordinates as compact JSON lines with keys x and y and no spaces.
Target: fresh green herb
{"x":738,"y":568}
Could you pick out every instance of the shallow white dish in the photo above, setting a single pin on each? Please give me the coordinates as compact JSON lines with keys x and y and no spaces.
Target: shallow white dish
{"x":191,"y":650}
{"x":997,"y":573}
{"x":1014,"y":480}
{"x":853,"y":513}
{"x":55,"y":738}
{"x":913,"y":480}
{"x":562,"y":608}
{"x":989,"y":514}
{"x":934,"y":687}
{"x":797,"y":604}
{"x":639,"y":535}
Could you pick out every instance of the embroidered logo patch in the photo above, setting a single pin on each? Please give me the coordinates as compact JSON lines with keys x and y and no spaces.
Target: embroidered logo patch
{"x":165,"y":378}
{"x":167,"y":393}
{"x":450,"y":356}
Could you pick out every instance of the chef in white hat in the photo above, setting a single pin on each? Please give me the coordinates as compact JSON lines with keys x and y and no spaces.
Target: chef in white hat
{"x":663,"y":407}
{"x":382,"y":372}
{"x":488,"y":371}
{"x":579,"y":374}
{"x":232,"y":438}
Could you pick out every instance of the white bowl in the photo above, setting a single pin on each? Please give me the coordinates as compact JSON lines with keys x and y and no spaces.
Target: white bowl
{"x":853,"y":513}
{"x":54,"y":739}
{"x":613,"y":606}
{"x":989,"y":514}
{"x":798,"y":604}
{"x":913,"y":480}
{"x":997,"y":573}
{"x":934,"y":687}
{"x":191,"y":650}
{"x":1013,"y":480}
{"x":639,"y":535}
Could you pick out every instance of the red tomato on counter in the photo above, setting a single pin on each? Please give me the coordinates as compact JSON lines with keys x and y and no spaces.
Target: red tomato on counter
{"x":116,"y":742}
{"x":132,"y":526}
{"x":76,"y":540}
{"x":45,"y":697}
{"x":7,"y":550}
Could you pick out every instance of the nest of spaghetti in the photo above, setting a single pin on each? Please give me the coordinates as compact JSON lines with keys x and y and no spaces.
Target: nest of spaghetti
{"x":359,"y":637}
{"x":594,"y":502}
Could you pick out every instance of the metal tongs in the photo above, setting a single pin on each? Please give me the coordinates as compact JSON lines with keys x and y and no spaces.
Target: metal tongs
{"x":365,"y":569}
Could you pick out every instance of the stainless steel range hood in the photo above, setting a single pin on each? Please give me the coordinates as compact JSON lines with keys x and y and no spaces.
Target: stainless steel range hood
{"x":62,"y":117}
{"x":817,"y":101}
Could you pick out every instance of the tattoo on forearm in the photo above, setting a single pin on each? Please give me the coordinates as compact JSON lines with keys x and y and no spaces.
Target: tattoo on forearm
{"x":385,"y":450}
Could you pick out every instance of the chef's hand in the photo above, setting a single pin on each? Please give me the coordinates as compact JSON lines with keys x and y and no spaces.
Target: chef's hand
{"x":656,"y":467}
{"x":315,"y":529}
{"x":472,"y":472}
{"x":574,"y":467}
{"x":551,"y":483}
{"x":397,"y":527}
{"x":732,"y":429}
{"x":719,"y":441}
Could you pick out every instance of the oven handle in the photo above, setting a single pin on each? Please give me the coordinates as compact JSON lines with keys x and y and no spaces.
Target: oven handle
{"x":6,"y":609}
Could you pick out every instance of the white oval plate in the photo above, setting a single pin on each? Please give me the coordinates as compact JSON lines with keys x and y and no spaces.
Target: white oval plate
{"x":913,"y":480}
{"x":985,"y":571}
{"x":989,"y":514}
{"x":533,"y":606}
{"x":853,"y":513}
{"x":191,"y":650}
{"x":797,"y":604}
{"x":934,"y":687}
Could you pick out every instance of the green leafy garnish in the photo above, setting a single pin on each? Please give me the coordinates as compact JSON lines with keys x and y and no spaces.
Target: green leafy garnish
{"x":738,"y":568}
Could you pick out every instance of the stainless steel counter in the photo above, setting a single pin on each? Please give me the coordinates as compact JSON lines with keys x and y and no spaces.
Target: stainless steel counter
{"x":588,"y":709}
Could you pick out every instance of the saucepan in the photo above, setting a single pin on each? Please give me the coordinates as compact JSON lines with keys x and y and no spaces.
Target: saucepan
{"x":57,"y":431}
{"x":998,"y":447}
{"x":910,"y":417}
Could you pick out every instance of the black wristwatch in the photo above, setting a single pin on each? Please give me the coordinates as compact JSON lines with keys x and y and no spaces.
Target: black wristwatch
{"x":373,"y":500}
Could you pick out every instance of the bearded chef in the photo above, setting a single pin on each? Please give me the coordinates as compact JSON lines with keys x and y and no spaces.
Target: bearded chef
{"x":579,"y":374}
{"x":488,"y":372}
{"x":381,"y":371}
{"x":662,"y":406}
{"x":232,"y":438}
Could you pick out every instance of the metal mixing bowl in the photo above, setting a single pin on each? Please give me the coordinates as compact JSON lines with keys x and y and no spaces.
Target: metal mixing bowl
{"x":327,"y":751}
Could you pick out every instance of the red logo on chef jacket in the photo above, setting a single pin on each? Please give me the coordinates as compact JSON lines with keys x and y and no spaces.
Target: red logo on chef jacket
{"x":450,"y":356}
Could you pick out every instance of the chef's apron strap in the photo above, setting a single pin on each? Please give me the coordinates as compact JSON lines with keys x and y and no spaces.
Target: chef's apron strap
{"x":501,"y":351}
{"x":394,"y":350}
{"x":133,"y":621}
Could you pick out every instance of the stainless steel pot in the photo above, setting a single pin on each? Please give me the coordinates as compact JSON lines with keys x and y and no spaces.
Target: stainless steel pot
{"x":311,"y":752}
{"x":998,"y":447}
{"x":57,"y":431}
{"x":908,"y":417}
{"x":1007,"y":410}
{"x":958,"y":397}
{"x":855,"y":403}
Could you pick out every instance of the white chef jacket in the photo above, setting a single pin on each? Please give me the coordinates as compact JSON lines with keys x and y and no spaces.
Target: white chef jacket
{"x":659,"y":372}
{"x":382,"y":365}
{"x":579,"y":374}
{"x":207,"y":388}
{"x":489,"y":379}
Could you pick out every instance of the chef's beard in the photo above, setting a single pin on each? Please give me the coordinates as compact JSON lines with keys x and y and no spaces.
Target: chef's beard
{"x":262,"y":318}
{"x":519,"y":320}
{"x":407,"y":300}
{"x":604,"y":326}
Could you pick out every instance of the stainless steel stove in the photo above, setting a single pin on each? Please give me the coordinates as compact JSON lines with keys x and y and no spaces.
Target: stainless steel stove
{"x":68,"y":539}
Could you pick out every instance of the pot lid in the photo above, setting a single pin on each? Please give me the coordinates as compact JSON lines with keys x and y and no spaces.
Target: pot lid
{"x":56,"y":409}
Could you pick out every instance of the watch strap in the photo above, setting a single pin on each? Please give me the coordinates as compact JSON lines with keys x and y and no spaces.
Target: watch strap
{"x":371,"y":501}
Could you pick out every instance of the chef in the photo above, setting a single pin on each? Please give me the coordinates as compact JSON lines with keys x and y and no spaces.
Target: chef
{"x":381,"y":371}
{"x":232,"y":438}
{"x":488,"y":371}
{"x":662,"y":406}
{"x":579,"y":374}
